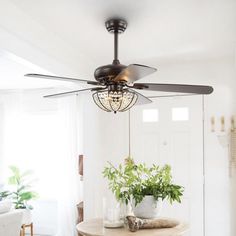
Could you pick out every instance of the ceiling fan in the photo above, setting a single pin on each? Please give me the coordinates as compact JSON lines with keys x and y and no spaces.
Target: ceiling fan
{"x":115,"y":86}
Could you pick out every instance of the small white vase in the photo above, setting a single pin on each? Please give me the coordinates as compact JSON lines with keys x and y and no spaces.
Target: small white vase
{"x":148,"y":208}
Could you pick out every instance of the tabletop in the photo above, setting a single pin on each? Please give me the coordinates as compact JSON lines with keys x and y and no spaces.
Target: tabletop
{"x":94,"y":227}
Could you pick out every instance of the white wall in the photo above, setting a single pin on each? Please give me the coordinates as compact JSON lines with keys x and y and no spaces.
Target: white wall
{"x":106,"y":139}
{"x":217,"y":180}
{"x":233,"y":179}
{"x":92,"y":155}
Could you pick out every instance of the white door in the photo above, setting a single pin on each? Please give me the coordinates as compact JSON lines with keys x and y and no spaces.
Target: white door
{"x":169,"y":130}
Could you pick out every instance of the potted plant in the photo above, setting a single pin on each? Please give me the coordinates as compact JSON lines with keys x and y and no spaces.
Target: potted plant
{"x":22,"y":193}
{"x":144,"y":187}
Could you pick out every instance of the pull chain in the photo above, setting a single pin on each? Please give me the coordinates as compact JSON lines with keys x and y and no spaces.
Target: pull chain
{"x":129,"y":136}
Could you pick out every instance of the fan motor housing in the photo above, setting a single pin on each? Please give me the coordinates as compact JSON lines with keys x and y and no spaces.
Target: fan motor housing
{"x":108,"y":72}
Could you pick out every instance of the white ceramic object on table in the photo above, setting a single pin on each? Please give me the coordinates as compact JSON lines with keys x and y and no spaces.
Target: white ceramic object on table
{"x":149,"y":208}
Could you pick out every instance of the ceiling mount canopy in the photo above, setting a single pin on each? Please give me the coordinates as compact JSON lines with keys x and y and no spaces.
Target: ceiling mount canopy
{"x":116,"y":25}
{"x":116,"y":87}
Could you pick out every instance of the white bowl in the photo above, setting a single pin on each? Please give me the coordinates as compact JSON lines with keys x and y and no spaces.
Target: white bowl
{"x":5,"y":206}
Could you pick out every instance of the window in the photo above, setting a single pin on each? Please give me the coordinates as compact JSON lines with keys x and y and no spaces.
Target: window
{"x":150,"y":115}
{"x":180,"y":114}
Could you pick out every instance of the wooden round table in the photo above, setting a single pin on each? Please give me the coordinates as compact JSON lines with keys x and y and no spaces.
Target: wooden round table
{"x":95,"y":227}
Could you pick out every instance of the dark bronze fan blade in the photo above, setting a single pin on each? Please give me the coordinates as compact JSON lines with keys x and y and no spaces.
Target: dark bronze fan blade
{"x":134,"y":72}
{"x":62,"y":78}
{"x":178,"y":88}
{"x":141,"y":98}
{"x":56,"y":95}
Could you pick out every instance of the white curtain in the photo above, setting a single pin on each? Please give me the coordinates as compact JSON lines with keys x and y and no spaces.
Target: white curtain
{"x":43,"y":135}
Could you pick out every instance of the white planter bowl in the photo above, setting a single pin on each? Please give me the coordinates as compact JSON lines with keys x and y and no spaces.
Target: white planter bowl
{"x":149,"y":208}
{"x":27,"y":216}
{"x":5,"y":206}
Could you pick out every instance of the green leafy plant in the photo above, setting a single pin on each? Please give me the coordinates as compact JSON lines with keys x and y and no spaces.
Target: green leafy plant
{"x":135,"y":181}
{"x":4,"y":195}
{"x":22,"y":193}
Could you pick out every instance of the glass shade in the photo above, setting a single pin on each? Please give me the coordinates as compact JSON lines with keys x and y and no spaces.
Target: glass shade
{"x":115,"y":100}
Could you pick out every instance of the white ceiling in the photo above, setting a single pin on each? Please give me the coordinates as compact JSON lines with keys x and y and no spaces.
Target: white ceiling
{"x":13,"y":69}
{"x":156,"y":28}
{"x":73,"y":32}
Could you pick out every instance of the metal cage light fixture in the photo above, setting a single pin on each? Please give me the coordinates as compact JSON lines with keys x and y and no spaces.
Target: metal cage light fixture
{"x":115,"y":100}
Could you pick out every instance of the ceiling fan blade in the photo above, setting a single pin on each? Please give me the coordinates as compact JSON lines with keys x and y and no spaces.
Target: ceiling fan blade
{"x":62,"y":78}
{"x":134,"y":72}
{"x":64,"y":94}
{"x":141,"y":99}
{"x":179,"y":88}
